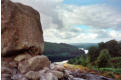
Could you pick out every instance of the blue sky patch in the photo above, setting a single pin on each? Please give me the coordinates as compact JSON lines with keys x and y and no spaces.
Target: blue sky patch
{"x":83,"y":2}
{"x":114,"y":3}
{"x":84,"y":27}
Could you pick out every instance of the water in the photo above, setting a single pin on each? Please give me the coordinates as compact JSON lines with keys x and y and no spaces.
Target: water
{"x":78,"y":79}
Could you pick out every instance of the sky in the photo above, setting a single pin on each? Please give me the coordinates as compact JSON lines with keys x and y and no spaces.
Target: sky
{"x":78,"y":21}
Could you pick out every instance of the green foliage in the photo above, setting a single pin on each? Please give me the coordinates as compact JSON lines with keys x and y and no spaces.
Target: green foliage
{"x":104,"y":59}
{"x":81,"y":60}
{"x":112,"y":46}
{"x":60,"y":50}
{"x":116,"y":61}
{"x":93,"y":53}
{"x":98,"y":54}
{"x":71,"y":61}
{"x":109,"y":74}
{"x":114,"y":70}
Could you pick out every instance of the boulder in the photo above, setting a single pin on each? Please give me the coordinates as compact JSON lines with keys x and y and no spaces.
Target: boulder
{"x":23,"y":67}
{"x":6,"y":76}
{"x":32,"y":75}
{"x":58,"y":74}
{"x":38,"y":62}
{"x":22,"y":57}
{"x":23,"y":78}
{"x":35,"y":63}
{"x":21,"y":29}
{"x":48,"y":76}
{"x":6,"y":70}
{"x":17,"y":76}
{"x":58,"y":67}
{"x":6,"y":79}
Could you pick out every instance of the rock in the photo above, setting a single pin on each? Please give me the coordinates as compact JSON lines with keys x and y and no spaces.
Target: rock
{"x":67,"y":72}
{"x":45,"y":70}
{"x":70,"y":77}
{"x":6,"y":79}
{"x":58,"y":74}
{"x":57,"y":67}
{"x":46,"y":74}
{"x":52,"y":66}
{"x":38,"y":62}
{"x":4,"y":63}
{"x":13,"y":64}
{"x":89,"y":76}
{"x":17,"y":76}
{"x":23,"y":78}
{"x":22,"y":57}
{"x":6,"y":76}
{"x":6,"y":70}
{"x":50,"y":76}
{"x":23,"y":67}
{"x":34,"y":64}
{"x":32,"y":75}
{"x":21,"y":29}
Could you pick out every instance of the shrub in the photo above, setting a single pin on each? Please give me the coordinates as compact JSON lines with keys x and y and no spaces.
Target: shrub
{"x":103,"y":59}
{"x":93,"y":53}
{"x":116,"y":62}
{"x":80,"y":61}
{"x":71,"y":61}
{"x":109,"y":74}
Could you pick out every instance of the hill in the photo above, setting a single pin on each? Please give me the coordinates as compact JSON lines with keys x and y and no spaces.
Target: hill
{"x":84,"y":45}
{"x":61,"y":51}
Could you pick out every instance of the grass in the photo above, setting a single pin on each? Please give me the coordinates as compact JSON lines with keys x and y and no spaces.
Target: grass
{"x":114,"y":70}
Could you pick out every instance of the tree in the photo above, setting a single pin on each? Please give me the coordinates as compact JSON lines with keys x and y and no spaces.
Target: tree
{"x":113,"y":48}
{"x":104,"y":59}
{"x":93,"y":53}
{"x":102,"y":45}
{"x":71,"y":61}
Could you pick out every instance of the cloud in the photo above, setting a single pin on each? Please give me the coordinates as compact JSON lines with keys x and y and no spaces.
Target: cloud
{"x":116,"y":35}
{"x":96,"y":16}
{"x":59,"y":20}
{"x":100,"y":18}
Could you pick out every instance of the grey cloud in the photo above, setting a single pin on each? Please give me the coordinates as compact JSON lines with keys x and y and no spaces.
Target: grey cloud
{"x":102,"y":33}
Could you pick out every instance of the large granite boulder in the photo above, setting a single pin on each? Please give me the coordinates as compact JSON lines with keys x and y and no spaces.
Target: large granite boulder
{"x":21,"y":29}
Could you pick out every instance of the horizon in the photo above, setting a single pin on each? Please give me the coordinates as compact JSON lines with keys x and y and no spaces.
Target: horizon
{"x":83,"y":42}
{"x":78,"y":21}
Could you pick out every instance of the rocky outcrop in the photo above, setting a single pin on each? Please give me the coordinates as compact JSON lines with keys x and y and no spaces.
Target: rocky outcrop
{"x":21,"y":29}
{"x":33,"y":68}
{"x":10,"y":71}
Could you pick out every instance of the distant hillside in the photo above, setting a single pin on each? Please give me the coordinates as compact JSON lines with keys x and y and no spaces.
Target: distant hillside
{"x":84,"y":45}
{"x":120,"y":41}
{"x":61,"y":51}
